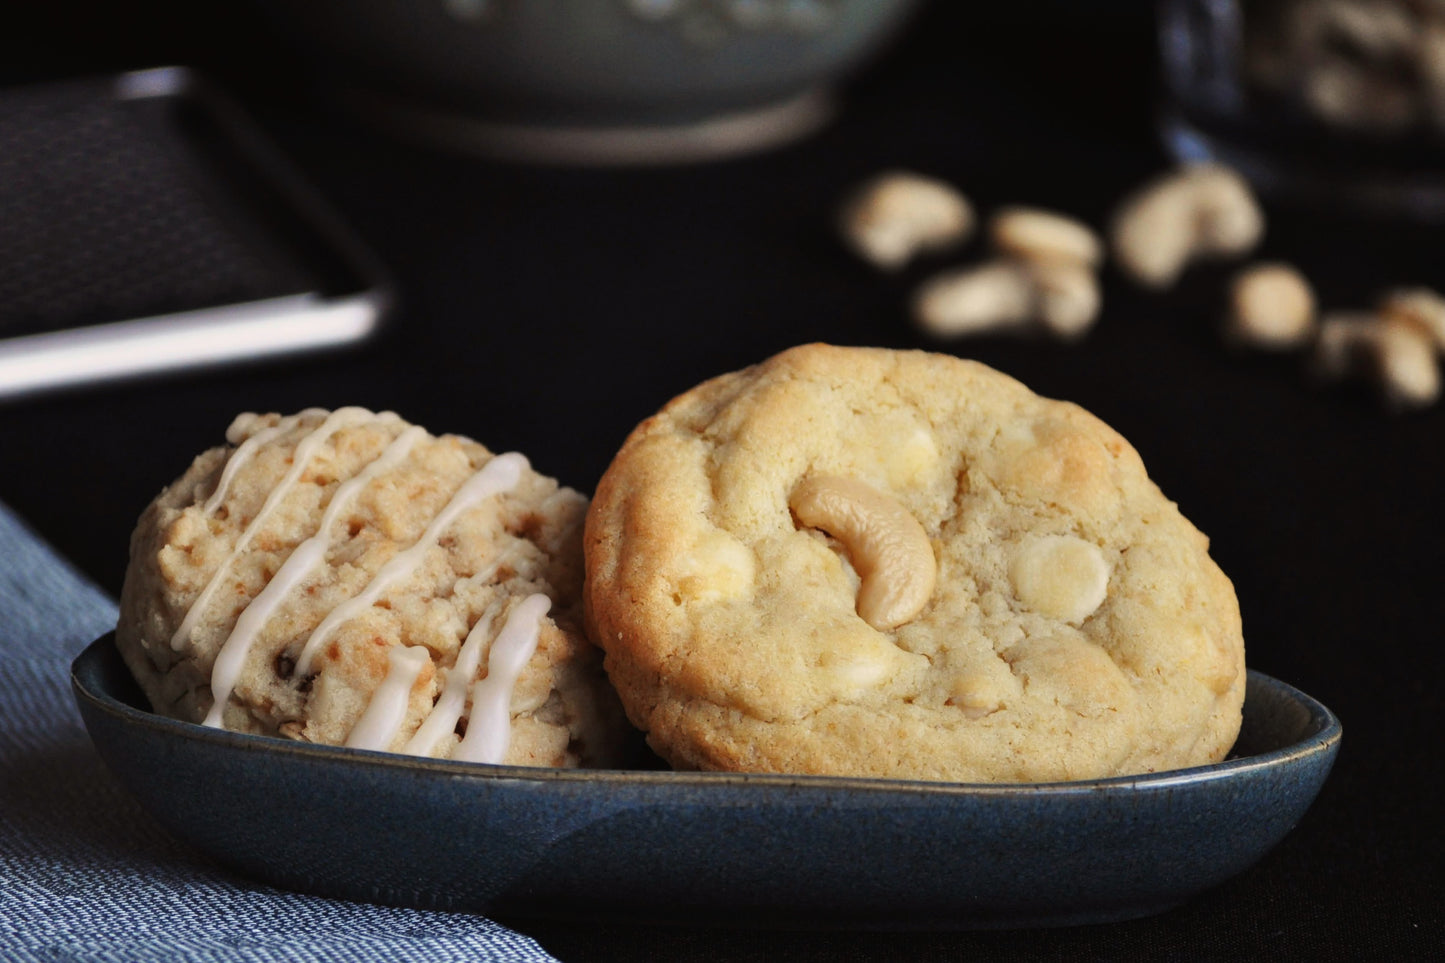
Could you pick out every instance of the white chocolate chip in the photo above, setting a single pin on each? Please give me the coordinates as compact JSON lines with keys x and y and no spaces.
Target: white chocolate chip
{"x":911,"y":456}
{"x":1060,"y":576}
{"x":856,"y":671}
{"x":719,"y":567}
{"x":976,"y":694}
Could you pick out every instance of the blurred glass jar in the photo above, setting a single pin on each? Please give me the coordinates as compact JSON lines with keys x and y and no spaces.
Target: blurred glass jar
{"x":1328,"y":100}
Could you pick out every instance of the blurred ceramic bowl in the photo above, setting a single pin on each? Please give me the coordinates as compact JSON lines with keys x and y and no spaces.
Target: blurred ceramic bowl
{"x":620,"y":80}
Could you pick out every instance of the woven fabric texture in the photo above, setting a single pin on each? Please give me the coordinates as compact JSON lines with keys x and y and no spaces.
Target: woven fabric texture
{"x":86,"y":875}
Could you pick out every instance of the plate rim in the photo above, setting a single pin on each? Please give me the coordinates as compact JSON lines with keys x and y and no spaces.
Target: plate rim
{"x":1326,"y":732}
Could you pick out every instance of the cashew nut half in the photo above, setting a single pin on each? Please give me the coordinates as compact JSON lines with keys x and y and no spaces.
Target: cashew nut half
{"x":1203,"y":210}
{"x":1272,"y":306}
{"x":888,"y":547}
{"x":898,"y":215}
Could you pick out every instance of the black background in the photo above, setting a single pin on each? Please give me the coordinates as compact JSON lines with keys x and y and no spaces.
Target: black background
{"x":550,"y":309}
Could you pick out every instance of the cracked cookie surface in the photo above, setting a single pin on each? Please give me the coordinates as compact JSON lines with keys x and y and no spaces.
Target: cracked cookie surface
{"x":1076,"y":626}
{"x":345,"y":578}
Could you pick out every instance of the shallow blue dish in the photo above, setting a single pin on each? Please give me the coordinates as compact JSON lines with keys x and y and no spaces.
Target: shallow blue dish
{"x":718,"y":847}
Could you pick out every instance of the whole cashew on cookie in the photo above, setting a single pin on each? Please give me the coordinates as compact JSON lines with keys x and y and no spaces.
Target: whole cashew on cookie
{"x":888,"y":547}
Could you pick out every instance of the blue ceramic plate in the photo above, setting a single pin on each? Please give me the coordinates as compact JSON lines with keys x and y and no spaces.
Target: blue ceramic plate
{"x":782,"y":850}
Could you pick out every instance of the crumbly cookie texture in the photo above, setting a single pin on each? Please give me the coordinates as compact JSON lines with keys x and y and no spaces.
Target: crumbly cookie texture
{"x":344,"y":577}
{"x":1074,"y":626}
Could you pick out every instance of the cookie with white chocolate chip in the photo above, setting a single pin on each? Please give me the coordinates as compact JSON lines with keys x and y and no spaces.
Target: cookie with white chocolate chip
{"x":889,"y":563}
{"x":346,"y":578}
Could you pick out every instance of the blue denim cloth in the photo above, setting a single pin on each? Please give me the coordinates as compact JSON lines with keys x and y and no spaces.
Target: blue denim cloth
{"x":86,"y":875}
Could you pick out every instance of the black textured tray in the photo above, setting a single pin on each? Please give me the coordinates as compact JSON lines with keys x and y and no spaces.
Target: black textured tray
{"x":150,"y":195}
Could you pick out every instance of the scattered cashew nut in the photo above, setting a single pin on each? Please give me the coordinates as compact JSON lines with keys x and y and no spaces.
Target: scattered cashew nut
{"x":898,"y":215}
{"x":1004,"y":295}
{"x":989,"y":297}
{"x":1205,"y":210}
{"x":888,"y":547}
{"x":1068,"y":298}
{"x":1043,"y":237}
{"x":1431,"y":54}
{"x":1420,"y":307}
{"x":1375,"y":29}
{"x":1361,"y":65}
{"x":1351,"y":53}
{"x":1271,"y":306}
{"x":1374,"y":67}
{"x":1397,"y":353}
{"x":1407,"y":366}
{"x":1359,"y":97}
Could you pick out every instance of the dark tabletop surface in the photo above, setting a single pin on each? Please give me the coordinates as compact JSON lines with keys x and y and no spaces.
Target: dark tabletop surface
{"x":550,"y":309}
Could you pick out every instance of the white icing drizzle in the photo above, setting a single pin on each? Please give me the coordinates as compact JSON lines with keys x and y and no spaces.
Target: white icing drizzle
{"x":308,"y":446}
{"x":248,"y":448}
{"x":489,"y":730}
{"x":499,"y":475}
{"x":386,"y":711}
{"x":300,"y":564}
{"x":453,"y":701}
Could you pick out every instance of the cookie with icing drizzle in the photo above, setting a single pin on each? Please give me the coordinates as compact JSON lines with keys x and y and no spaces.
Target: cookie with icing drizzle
{"x":345,"y":578}
{"x":883,"y":563}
